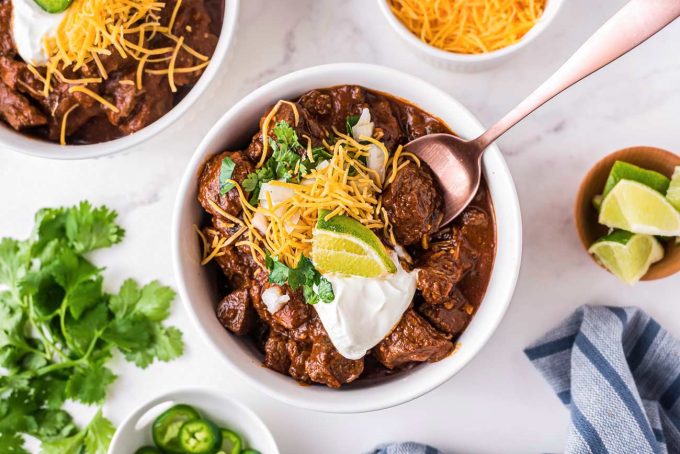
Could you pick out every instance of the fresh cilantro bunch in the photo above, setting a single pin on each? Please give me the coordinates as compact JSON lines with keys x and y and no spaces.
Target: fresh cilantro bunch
{"x":59,"y":328}
{"x":314,"y":286}
{"x":282,"y":164}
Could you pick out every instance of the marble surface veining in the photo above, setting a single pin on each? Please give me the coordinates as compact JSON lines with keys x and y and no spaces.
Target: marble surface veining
{"x":498,"y":403}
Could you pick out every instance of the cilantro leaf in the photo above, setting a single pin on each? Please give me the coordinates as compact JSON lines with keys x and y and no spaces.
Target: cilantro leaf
{"x":88,"y":385}
{"x":226,"y":170}
{"x":325,"y":291}
{"x":165,"y":345}
{"x":13,"y":262}
{"x":278,"y":272}
{"x":89,"y":228}
{"x":152,"y":301}
{"x":315,"y":288}
{"x":12,"y":443}
{"x":99,"y":434}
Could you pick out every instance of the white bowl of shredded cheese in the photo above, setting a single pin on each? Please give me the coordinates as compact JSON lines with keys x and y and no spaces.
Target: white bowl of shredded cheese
{"x":24,"y":143}
{"x":198,"y":286}
{"x":469,"y":62}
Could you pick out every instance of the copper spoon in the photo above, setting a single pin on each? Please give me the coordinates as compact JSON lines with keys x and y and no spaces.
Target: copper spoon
{"x":457,"y":162}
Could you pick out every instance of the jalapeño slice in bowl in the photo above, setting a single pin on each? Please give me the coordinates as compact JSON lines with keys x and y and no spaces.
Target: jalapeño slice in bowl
{"x":200,"y":436}
{"x":54,"y":6}
{"x":166,"y":428}
{"x":231,"y":442}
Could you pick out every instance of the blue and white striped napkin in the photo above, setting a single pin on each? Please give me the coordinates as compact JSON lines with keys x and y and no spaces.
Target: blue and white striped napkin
{"x":618,"y":372}
{"x":408,"y":447}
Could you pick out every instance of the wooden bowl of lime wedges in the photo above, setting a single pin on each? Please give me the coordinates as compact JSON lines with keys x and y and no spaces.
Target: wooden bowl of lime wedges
{"x":627,"y":213}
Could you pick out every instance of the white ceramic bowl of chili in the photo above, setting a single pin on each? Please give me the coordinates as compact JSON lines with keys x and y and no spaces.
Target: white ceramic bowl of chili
{"x":21,"y":143}
{"x":468,"y":62}
{"x":198,"y":287}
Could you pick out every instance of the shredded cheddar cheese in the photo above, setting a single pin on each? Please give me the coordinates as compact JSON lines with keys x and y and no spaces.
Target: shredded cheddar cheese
{"x":469,"y":26}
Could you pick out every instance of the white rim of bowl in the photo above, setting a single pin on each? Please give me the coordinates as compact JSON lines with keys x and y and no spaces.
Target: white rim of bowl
{"x":271,"y":89}
{"x":552,"y":8}
{"x":43,"y":149}
{"x":186,"y":393}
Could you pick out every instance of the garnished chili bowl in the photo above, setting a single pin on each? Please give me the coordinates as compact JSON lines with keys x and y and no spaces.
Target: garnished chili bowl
{"x":469,"y":62}
{"x":144,"y":426}
{"x":320,"y":349}
{"x":120,"y":94}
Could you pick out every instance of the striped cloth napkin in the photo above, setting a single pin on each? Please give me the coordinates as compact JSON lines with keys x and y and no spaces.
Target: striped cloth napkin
{"x":408,"y":447}
{"x":618,"y":373}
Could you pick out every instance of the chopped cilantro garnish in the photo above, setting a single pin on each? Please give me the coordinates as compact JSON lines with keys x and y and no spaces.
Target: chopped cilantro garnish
{"x":59,"y":329}
{"x":226,"y":170}
{"x":315,"y":287}
{"x":286,"y":153}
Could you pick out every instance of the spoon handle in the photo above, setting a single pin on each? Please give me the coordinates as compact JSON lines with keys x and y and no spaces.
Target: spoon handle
{"x":631,"y":26}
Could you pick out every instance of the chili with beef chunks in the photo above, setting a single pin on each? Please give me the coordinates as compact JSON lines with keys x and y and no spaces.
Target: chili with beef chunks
{"x":454,"y":262}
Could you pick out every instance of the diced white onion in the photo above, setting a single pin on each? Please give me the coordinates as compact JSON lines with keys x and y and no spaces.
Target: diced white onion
{"x":376,"y":161}
{"x":260,"y":222}
{"x":364,"y":126}
{"x":274,"y":299}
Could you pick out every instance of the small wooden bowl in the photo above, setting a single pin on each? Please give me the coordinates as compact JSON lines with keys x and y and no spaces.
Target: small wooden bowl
{"x":586,"y":216}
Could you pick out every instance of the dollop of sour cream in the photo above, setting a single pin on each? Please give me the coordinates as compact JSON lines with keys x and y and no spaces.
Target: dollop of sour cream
{"x":365,"y":310}
{"x":30,"y":27}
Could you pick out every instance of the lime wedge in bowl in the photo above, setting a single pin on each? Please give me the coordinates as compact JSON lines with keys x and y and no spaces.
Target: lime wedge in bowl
{"x":626,"y":255}
{"x":673,"y":194}
{"x":637,"y":208}
{"x":343,"y":245}
{"x":624,"y":171}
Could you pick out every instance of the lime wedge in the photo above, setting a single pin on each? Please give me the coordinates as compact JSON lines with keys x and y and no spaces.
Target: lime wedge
{"x":673,"y":194}
{"x":343,"y":245}
{"x":626,"y":255}
{"x":625,"y":171}
{"x":637,"y":208}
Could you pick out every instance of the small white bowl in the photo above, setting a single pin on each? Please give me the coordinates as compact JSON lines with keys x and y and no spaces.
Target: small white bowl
{"x":468,"y":62}
{"x":197,"y":284}
{"x":135,"y":431}
{"x":16,"y":141}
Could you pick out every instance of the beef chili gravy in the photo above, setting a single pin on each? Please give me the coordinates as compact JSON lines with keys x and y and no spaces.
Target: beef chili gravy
{"x":454,"y":262}
{"x":25,"y":108}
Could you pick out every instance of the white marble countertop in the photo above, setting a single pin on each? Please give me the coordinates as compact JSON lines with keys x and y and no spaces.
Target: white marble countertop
{"x":498,"y":403}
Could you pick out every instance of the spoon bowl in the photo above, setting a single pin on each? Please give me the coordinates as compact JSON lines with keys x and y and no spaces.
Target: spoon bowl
{"x":585,"y":215}
{"x":456,"y":166}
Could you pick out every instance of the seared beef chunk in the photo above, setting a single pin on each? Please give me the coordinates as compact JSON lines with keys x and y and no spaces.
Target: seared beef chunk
{"x":209,"y":182}
{"x":23,"y":105}
{"x":413,"y":204}
{"x":236,"y":313}
{"x":6,"y":41}
{"x":325,"y":365}
{"x":194,"y":23}
{"x":451,"y":316}
{"x":440,"y":271}
{"x":413,"y":340}
{"x":137,"y":108}
{"x":276,"y":353}
{"x":455,"y":261}
{"x":294,"y":313}
{"x":236,"y":264}
{"x":298,"y":353}
{"x":18,"y":111}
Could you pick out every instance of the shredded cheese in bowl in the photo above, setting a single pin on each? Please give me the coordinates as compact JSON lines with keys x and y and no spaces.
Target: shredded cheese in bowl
{"x":468,"y":26}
